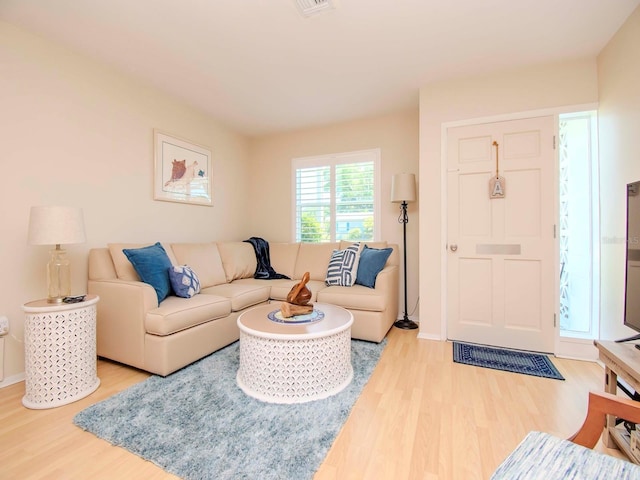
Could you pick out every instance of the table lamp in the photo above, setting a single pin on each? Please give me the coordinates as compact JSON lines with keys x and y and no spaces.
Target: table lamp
{"x":403,"y":191}
{"x":49,"y":225}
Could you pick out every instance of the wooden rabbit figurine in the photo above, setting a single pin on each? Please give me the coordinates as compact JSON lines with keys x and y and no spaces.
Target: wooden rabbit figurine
{"x":298,"y":299}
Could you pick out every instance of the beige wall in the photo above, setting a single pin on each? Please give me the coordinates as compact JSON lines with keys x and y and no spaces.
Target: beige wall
{"x":619,"y":143}
{"x":77,"y":133}
{"x":397,"y":137}
{"x":501,"y":93}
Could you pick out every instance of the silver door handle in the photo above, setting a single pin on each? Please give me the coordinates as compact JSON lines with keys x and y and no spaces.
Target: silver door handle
{"x":453,"y":247}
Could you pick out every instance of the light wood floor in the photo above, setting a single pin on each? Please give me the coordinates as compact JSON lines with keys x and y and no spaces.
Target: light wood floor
{"x":421,"y":416}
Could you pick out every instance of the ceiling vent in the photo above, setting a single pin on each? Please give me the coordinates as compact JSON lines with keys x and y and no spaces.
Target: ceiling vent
{"x":312,"y":7}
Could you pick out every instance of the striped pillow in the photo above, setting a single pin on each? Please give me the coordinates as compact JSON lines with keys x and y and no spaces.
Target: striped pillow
{"x":343,"y":266}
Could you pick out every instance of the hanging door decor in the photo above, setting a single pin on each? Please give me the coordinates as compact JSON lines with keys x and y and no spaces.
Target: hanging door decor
{"x":497,"y":183}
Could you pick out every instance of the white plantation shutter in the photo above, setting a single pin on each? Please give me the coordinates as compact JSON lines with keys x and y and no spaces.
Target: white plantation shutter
{"x":335,"y":197}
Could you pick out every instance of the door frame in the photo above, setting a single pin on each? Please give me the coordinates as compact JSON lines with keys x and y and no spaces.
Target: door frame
{"x":577,"y":349}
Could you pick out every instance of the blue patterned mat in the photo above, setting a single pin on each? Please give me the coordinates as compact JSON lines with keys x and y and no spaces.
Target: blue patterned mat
{"x":503,"y":359}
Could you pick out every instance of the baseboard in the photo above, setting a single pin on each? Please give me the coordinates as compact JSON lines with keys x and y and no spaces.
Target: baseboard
{"x":577,"y":349}
{"x":19,"y":377}
{"x":429,"y":336}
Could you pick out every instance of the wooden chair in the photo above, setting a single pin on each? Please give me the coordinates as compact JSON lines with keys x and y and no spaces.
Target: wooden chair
{"x":600,"y":405}
{"x":545,"y":457}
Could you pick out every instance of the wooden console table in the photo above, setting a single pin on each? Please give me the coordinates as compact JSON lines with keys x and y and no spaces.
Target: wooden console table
{"x":620,"y":360}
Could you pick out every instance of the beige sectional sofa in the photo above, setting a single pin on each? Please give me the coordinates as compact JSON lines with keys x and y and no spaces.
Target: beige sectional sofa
{"x":161,"y":337}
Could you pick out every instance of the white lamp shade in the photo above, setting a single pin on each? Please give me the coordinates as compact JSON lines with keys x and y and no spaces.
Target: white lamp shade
{"x":56,"y":225}
{"x":403,"y":188}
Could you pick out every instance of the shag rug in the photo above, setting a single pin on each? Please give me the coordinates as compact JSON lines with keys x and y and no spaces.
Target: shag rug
{"x":504,"y":359}
{"x":197,"y":424}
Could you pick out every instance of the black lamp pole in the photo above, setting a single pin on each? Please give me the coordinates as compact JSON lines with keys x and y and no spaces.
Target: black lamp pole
{"x":405,"y":323}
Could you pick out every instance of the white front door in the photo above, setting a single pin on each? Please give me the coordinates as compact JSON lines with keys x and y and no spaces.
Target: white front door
{"x":500,"y":269}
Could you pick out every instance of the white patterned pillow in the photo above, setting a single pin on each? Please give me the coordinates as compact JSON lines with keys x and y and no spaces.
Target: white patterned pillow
{"x":184,"y":281}
{"x":343,"y":266}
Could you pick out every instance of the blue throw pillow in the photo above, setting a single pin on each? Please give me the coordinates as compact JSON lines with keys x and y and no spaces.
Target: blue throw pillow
{"x":184,"y":281}
{"x":152,"y":265}
{"x":372,"y":261}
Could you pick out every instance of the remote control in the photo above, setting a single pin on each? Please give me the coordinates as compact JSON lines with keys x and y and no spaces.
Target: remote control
{"x":75,"y":299}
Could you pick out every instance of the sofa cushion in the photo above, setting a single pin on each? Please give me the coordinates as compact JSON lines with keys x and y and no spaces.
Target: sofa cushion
{"x":240,"y":295}
{"x":238,"y":260}
{"x":152,"y":264}
{"x":284,"y":257}
{"x":184,"y":281}
{"x":175,"y":313}
{"x":372,"y":261}
{"x":343,"y":266}
{"x":204,"y":259}
{"x":354,"y":298}
{"x":124,"y":268}
{"x":314,"y":258}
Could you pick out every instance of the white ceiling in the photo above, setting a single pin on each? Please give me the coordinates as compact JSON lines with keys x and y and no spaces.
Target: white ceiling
{"x":260,"y":67}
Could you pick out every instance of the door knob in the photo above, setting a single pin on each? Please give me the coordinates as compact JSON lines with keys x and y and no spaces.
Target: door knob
{"x":453,"y":247}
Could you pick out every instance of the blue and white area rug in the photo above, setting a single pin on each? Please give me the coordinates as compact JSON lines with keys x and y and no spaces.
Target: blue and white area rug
{"x":197,"y":423}
{"x":503,"y":359}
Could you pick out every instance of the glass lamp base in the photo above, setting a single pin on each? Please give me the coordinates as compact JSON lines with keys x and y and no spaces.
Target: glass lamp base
{"x":58,"y":276}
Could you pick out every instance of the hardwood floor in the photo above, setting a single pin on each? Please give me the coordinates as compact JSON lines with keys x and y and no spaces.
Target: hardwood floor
{"x":421,"y":416}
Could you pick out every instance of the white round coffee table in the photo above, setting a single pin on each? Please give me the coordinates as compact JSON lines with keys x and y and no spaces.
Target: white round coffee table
{"x":286,"y":362}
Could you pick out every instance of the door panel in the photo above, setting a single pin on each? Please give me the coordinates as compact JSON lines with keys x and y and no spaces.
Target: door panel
{"x":500,"y":272}
{"x":475,"y":219}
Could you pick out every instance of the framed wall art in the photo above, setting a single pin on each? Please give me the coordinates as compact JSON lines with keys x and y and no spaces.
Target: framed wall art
{"x":182,"y":171}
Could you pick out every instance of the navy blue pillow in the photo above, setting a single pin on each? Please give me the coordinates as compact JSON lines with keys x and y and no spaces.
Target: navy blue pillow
{"x":152,"y":264}
{"x":372,"y":261}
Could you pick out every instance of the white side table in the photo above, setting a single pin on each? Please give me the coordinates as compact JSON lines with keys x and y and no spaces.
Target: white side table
{"x":60,"y":352}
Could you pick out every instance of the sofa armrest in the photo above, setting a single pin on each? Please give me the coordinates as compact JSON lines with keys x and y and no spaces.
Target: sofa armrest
{"x":387,"y":278}
{"x":387,"y":282}
{"x":121,"y":316}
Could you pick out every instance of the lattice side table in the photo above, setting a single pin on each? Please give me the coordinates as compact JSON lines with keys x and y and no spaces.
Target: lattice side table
{"x":60,"y":352}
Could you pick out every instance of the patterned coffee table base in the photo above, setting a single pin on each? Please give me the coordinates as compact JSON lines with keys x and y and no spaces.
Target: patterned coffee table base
{"x":294,"y":370}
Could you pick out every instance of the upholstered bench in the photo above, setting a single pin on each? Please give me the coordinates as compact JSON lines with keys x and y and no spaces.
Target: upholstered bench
{"x":545,"y":457}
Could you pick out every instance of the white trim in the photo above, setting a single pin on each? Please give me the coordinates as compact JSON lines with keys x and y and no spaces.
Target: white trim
{"x":430,"y":336}
{"x":545,"y":112}
{"x":18,"y":377}
{"x":576,"y":349}
{"x":444,"y":230}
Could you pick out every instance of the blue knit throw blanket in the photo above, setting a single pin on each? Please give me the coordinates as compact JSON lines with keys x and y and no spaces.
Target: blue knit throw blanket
{"x":264,"y":270}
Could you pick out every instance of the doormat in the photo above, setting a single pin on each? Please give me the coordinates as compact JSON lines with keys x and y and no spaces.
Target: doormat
{"x":503,"y":359}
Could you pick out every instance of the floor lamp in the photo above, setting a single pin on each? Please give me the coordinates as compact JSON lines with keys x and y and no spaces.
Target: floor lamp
{"x":403,"y":191}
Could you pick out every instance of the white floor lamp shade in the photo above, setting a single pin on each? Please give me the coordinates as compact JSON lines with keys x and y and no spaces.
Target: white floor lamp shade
{"x":403,"y":188}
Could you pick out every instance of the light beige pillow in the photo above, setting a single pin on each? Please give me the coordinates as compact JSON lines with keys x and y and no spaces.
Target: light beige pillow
{"x":238,"y":259}
{"x":124,"y":268}
{"x":204,"y":259}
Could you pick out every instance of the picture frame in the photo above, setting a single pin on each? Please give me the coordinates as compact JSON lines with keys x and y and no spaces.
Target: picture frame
{"x":183,"y":171}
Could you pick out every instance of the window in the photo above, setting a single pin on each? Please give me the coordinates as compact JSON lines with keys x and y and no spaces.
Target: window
{"x":578,"y":232}
{"x":336,"y":197}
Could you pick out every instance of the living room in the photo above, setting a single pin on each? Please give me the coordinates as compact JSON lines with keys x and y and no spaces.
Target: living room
{"x":79,"y":132}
